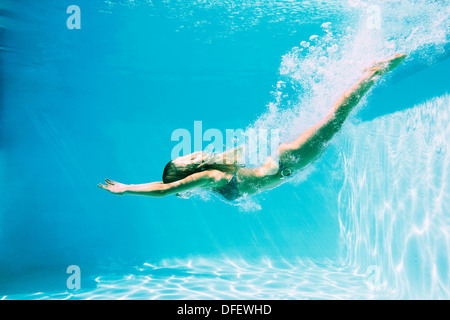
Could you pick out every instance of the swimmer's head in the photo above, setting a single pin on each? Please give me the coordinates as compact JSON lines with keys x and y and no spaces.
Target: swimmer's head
{"x":173,"y":173}
{"x":182,"y":167}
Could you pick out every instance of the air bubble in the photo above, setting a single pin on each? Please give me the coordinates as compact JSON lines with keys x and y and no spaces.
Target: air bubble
{"x":304,"y":44}
{"x":333,"y":48}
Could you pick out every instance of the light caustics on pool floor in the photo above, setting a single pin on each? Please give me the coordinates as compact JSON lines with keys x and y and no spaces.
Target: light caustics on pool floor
{"x":393,"y":208}
{"x":227,"y":279}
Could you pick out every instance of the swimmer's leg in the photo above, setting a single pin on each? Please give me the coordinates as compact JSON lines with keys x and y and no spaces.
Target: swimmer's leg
{"x":311,"y":143}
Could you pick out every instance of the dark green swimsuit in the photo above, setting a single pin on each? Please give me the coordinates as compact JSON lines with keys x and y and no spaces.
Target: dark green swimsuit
{"x":230,"y":191}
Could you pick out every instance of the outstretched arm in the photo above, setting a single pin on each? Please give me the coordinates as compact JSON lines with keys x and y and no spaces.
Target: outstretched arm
{"x":310,"y":144}
{"x":210,"y":178}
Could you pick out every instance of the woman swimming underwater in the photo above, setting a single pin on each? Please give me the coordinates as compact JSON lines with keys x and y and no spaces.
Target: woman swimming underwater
{"x":233,"y":181}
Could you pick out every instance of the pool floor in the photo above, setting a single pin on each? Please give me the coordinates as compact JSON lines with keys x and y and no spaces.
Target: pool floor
{"x":227,"y":279}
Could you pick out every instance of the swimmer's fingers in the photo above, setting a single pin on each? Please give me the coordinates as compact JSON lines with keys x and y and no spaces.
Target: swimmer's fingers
{"x":111,"y":182}
{"x":115,"y":189}
{"x":107,"y":187}
{"x":102,"y":186}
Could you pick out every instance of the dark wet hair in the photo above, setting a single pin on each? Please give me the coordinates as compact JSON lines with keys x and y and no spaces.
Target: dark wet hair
{"x":182,"y":167}
{"x":173,"y":172}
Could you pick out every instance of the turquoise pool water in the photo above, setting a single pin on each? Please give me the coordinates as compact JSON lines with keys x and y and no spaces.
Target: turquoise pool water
{"x":368,"y":220}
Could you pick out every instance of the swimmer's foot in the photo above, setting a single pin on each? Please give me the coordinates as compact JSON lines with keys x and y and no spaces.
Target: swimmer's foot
{"x":386,"y":65}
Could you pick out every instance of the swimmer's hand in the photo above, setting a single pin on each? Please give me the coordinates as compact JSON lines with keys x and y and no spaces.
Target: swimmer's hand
{"x":114,"y":187}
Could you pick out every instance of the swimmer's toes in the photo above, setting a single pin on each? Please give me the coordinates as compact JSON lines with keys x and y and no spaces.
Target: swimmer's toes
{"x":397,"y":60}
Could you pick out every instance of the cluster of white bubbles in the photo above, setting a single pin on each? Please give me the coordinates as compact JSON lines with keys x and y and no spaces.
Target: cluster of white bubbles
{"x":317,"y":71}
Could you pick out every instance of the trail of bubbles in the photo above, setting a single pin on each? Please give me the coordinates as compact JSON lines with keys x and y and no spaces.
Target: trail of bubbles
{"x":315,"y":73}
